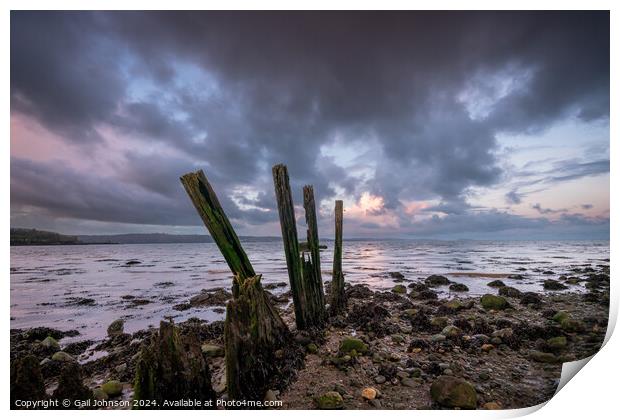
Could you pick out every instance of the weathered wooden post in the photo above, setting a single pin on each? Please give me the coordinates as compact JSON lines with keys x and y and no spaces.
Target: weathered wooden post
{"x":259,"y":349}
{"x":286,"y":212}
{"x":307,"y":295}
{"x":337,"y":295}
{"x":311,"y":270}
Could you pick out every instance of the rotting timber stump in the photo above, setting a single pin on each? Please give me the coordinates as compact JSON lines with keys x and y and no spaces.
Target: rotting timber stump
{"x":308,"y":300}
{"x":337,"y":295}
{"x":171,"y":367}
{"x":259,"y":349}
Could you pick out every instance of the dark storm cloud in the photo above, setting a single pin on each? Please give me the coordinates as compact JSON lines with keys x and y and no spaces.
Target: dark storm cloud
{"x":276,"y":87}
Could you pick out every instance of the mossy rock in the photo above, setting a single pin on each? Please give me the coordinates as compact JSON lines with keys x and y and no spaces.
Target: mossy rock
{"x":452,"y":392}
{"x":400,"y":289}
{"x":61,"y":356}
{"x":541,"y":357}
{"x":331,"y":400}
{"x":496,"y":283}
{"x":493,"y":302}
{"x":557,"y":343}
{"x":116,"y":328}
{"x":50,"y":343}
{"x":553,"y":285}
{"x":451,"y":331}
{"x":439,"y":322}
{"x":411,"y":312}
{"x":312,"y":348}
{"x":350,"y":344}
{"x":459,"y":287}
{"x":100,"y":394}
{"x":560,"y":316}
{"x":112,"y":388}
{"x":509,"y":292}
{"x":572,"y":326}
{"x":212,"y":350}
{"x":436,"y":280}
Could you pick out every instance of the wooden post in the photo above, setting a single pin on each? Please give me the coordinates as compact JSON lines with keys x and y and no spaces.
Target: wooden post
{"x":214,"y":218}
{"x":337,"y":298}
{"x":286,"y":211}
{"x":259,"y":347}
{"x":313,"y":282}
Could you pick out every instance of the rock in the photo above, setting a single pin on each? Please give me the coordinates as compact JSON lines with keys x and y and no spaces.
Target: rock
{"x":437,"y":338}
{"x":399,"y":288}
{"x":215,"y":297}
{"x":557,"y":343}
{"x":487,"y":347}
{"x":61,"y":356}
{"x":396,"y":275}
{"x":270,"y":395}
{"x":331,"y":400}
{"x":572,"y":326}
{"x":380,"y":379}
{"x":515,"y":277}
{"x":452,"y":392}
{"x":99,"y":394}
{"x":455,"y":305}
{"x":496,"y":283}
{"x":50,"y":343}
{"x":436,"y":280}
{"x":493,"y":302}
{"x":424,"y":295}
{"x":369,"y":393}
{"x":116,"y":328}
{"x":26,"y":380}
{"x":182,"y":307}
{"x":491,"y":406}
{"x":451,"y":331}
{"x":350,"y":344}
{"x":553,"y":285}
{"x":409,"y":382}
{"x":541,"y":357}
{"x":120,"y":368}
{"x":312,"y":348}
{"x":560,"y":316}
{"x":530,"y":298}
{"x":509,"y":292}
{"x":212,"y":350}
{"x":112,"y":388}
{"x":504,"y":333}
{"x":438,"y":323}
{"x":397,"y":338}
{"x":459,"y":287}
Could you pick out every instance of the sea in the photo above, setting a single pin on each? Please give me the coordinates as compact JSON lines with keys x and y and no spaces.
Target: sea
{"x":48,"y":283}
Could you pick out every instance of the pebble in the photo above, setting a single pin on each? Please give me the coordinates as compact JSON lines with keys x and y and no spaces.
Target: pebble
{"x":369,"y":393}
{"x":380,"y":379}
{"x":487,"y":347}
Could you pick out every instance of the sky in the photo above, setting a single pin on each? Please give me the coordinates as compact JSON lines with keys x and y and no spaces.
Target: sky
{"x":447,"y":125}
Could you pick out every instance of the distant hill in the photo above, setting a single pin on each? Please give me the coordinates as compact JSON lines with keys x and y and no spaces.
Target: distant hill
{"x":21,"y":236}
{"x":162,"y":238}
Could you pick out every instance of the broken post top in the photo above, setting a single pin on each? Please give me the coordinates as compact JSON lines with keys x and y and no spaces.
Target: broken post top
{"x":208,"y":206}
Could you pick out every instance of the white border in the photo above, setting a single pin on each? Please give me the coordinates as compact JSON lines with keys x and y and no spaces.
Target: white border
{"x":592,"y":395}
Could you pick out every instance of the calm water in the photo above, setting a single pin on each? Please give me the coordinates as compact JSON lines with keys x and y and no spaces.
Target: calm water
{"x":45,"y":280}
